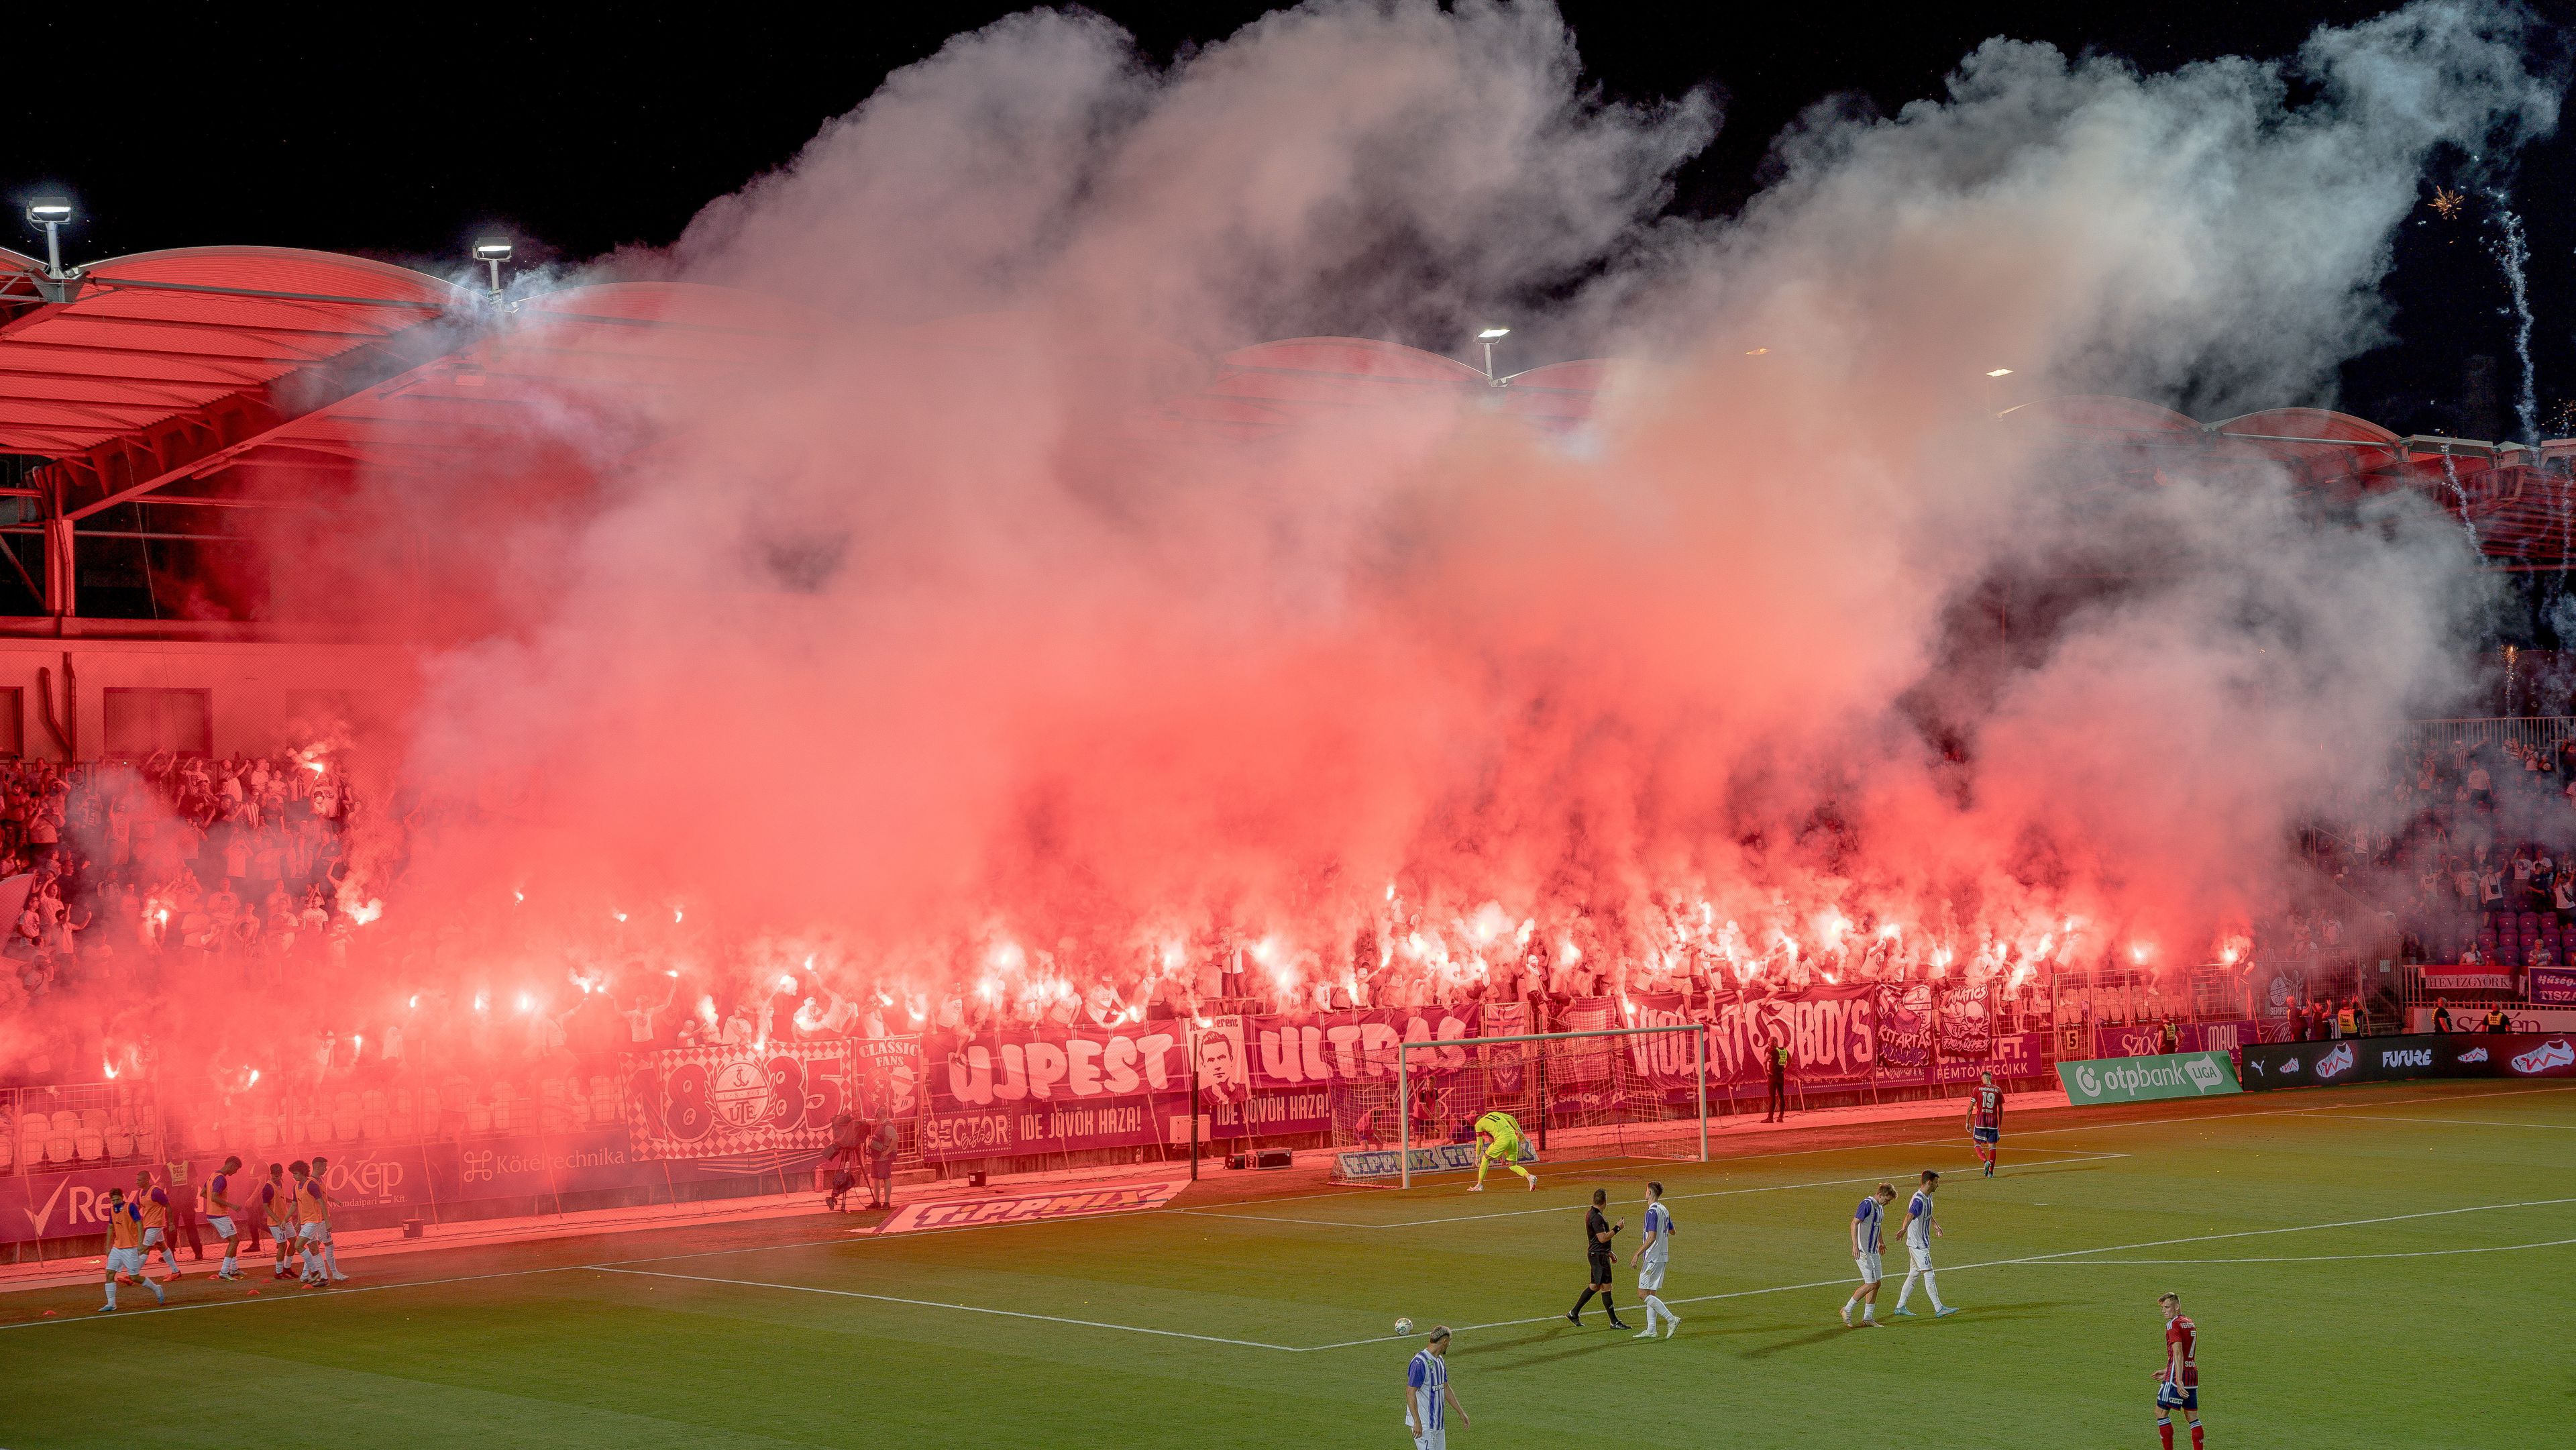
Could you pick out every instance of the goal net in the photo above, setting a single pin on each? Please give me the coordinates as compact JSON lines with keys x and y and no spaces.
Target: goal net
{"x":1626,"y":1092}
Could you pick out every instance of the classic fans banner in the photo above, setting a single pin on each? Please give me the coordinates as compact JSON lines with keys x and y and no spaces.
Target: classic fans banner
{"x":709,"y":1102}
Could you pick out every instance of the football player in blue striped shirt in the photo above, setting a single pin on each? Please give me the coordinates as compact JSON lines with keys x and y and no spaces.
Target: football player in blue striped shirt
{"x":1650,"y":1258}
{"x":1866,"y":1244}
{"x":1427,"y":1396}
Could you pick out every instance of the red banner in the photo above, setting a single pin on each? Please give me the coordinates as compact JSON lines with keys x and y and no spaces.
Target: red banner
{"x":1029,"y":1207}
{"x":710,"y":1102}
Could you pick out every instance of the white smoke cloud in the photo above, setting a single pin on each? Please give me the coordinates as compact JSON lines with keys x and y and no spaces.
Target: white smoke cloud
{"x":931,"y":633}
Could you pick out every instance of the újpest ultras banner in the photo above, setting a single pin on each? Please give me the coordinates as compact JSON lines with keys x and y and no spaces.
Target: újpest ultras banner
{"x":712,"y":1102}
{"x":1081,"y":1087}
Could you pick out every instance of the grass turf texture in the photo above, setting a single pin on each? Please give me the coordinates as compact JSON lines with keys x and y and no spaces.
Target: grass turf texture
{"x":2413,"y":1323}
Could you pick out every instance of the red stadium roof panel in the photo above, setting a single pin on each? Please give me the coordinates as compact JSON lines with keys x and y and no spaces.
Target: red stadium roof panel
{"x":183,"y":374}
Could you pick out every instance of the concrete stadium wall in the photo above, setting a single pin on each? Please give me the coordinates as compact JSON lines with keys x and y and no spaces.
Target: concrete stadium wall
{"x":255,"y":688}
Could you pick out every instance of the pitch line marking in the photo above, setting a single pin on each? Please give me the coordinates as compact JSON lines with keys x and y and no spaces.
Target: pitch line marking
{"x":2056,"y":1260}
{"x":1562,"y":1208}
{"x":2315,"y":1258}
{"x":286,"y":1298}
{"x":2465,"y":1122}
{"x":960,"y":1308}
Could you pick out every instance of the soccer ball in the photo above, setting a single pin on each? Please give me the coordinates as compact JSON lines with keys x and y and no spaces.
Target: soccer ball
{"x":1404,"y":1326}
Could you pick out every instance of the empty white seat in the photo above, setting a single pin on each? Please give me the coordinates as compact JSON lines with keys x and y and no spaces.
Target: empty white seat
{"x":58,"y":1148}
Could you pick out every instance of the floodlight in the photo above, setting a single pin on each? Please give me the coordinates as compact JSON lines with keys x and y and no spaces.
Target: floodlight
{"x":1488,"y":338}
{"x":492,"y":252}
{"x":51,"y":212}
{"x":1999,"y":372}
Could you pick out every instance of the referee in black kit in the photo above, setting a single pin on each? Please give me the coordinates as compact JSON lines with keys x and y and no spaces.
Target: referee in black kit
{"x":1598,"y":1231}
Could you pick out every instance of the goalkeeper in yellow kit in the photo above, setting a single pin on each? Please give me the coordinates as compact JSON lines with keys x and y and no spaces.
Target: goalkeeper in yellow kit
{"x":1498,"y":1139}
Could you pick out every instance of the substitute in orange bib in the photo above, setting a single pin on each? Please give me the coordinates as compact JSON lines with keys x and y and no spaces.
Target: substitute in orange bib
{"x":154,"y":1207}
{"x":125,"y":1248}
{"x":277,"y":1203}
{"x":317,"y":1224}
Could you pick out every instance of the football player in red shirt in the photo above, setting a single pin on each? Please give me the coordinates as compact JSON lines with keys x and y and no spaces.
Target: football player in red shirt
{"x":1986,"y":1121}
{"x":2178,"y":1383}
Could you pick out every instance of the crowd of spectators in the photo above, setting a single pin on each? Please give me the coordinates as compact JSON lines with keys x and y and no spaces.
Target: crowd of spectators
{"x":131,"y":863}
{"x":2476,"y":861}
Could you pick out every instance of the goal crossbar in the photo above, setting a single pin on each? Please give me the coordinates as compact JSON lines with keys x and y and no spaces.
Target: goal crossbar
{"x":1404,"y":1075}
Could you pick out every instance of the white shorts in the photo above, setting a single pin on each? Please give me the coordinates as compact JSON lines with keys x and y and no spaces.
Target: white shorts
{"x":1870,"y":1272}
{"x":314,"y":1233}
{"x":1650,"y":1277}
{"x":1432,"y":1439}
{"x":152,"y":1238}
{"x":222,"y":1224}
{"x":125,"y":1261}
{"x":1918,"y":1256}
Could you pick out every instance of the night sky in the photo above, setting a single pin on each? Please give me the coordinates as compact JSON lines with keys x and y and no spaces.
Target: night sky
{"x":582,"y":129}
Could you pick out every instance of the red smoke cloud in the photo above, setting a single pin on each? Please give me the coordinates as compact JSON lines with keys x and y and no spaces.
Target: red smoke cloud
{"x":921,"y":646}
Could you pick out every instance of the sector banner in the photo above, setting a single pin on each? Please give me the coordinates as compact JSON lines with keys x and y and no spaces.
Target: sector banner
{"x":714,"y":1102}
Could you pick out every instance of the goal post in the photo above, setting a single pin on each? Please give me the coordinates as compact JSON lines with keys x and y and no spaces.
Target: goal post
{"x":1619,"y":1092}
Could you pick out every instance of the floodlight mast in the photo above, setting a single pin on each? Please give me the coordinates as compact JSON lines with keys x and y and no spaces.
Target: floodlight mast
{"x":492,"y":252}
{"x":1489,"y":337}
{"x":50,"y":212}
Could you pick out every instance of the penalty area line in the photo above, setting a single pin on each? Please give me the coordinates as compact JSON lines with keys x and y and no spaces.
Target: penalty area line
{"x":938,"y":1304}
{"x":2061,"y":1259}
{"x":2067,"y":1158}
{"x":2310,"y":1258}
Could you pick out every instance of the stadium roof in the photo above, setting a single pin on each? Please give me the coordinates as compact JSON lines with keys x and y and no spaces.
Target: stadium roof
{"x":206,"y":375}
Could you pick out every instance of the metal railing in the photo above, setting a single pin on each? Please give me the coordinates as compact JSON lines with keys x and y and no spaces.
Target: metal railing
{"x":2414,"y":737}
{"x":84,"y":1125}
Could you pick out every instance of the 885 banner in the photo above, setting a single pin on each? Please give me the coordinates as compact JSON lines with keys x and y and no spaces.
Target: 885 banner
{"x":708,"y":1102}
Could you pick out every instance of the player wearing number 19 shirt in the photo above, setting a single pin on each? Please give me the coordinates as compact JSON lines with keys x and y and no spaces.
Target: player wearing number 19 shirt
{"x":1986,"y":1121}
{"x":2178,"y":1381}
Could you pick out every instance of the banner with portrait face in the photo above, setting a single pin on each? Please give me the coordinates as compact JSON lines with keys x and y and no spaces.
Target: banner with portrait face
{"x":713,"y":1102}
{"x":888,"y":1077}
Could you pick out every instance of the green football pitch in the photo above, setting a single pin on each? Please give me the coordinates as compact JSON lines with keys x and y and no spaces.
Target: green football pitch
{"x":2368,"y":1266}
